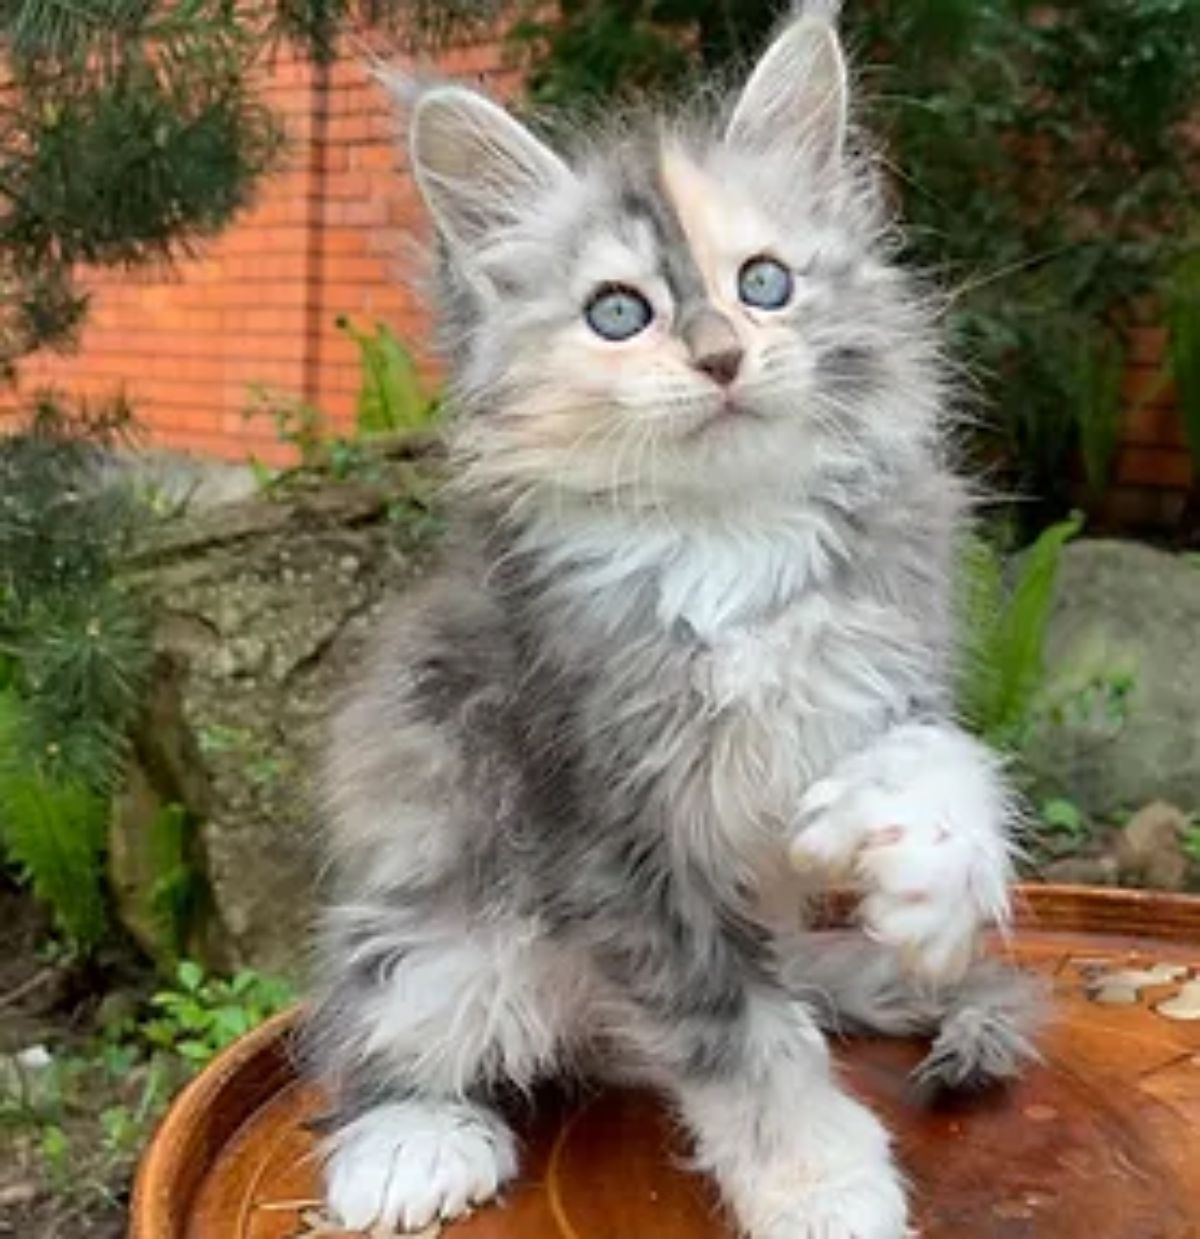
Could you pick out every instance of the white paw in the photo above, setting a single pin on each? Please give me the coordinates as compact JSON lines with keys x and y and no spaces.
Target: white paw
{"x":411,"y":1163}
{"x":847,"y":1189}
{"x":858,"y":1210}
{"x":920,"y":822}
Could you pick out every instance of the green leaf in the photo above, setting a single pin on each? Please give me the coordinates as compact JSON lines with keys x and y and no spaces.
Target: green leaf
{"x":229,"y":1023}
{"x":1064,"y":816}
{"x":391,"y":395}
{"x":190,"y":975}
{"x":195,"y":1051}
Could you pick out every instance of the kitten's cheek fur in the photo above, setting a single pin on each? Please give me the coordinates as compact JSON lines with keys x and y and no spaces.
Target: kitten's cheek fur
{"x":921,"y":822}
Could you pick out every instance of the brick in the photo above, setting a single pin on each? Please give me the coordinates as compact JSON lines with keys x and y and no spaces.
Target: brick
{"x":381,"y":158}
{"x":1146,"y":345}
{"x":1148,"y":385}
{"x":1151,"y":426}
{"x":1159,"y":468}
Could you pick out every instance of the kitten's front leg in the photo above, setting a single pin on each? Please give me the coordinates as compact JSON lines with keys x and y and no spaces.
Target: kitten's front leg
{"x":795,"y":1156}
{"x":922,"y":820}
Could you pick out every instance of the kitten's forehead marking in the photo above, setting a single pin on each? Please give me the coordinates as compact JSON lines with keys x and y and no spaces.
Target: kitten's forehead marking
{"x":686,"y":188}
{"x":644,"y":197}
{"x":722,"y":223}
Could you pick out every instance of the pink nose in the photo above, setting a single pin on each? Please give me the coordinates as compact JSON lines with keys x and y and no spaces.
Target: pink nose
{"x":722,"y":367}
{"x":713,"y":345}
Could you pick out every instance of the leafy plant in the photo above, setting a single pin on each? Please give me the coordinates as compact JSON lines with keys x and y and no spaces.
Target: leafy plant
{"x":1005,"y":628}
{"x":73,"y":654}
{"x":175,"y":888}
{"x":1191,"y":842}
{"x":392,"y":399}
{"x":53,"y":830}
{"x":82,"y":1108}
{"x":203,"y":1014}
{"x":1064,"y":817}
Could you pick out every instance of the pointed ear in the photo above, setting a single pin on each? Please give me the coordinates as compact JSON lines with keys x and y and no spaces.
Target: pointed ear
{"x":796,"y":98}
{"x":477,"y":168}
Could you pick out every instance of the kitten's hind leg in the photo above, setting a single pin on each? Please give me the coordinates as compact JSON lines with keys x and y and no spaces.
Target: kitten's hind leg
{"x":422,"y":1020}
{"x":983,"y":1025}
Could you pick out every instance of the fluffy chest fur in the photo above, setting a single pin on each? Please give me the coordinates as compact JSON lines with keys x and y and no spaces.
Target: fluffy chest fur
{"x":726,"y":671}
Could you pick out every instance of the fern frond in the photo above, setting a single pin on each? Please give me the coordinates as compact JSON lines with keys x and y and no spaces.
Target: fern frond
{"x":55,"y":833}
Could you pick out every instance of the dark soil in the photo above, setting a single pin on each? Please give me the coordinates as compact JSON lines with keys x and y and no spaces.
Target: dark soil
{"x":47,"y":1000}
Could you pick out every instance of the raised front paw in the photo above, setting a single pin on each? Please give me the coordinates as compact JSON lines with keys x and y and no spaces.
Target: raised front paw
{"x":920,"y":823}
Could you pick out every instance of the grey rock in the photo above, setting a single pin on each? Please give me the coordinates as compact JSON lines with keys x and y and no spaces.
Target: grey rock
{"x":1122,"y":607}
{"x":258,"y":621}
{"x":1150,"y":848}
{"x":1082,"y":871}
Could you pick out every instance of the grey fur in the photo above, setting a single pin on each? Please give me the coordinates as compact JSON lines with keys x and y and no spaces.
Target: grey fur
{"x":556,"y":822}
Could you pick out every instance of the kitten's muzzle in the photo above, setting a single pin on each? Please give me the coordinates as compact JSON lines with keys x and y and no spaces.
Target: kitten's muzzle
{"x":713,"y":346}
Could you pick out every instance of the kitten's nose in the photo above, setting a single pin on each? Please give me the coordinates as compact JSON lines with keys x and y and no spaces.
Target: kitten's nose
{"x":713,"y":345}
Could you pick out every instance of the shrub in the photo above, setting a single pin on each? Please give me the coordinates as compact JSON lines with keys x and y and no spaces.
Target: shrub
{"x":73,"y":655}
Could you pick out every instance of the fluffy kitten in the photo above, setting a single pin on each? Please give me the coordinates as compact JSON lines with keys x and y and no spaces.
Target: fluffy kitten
{"x":689,"y":660}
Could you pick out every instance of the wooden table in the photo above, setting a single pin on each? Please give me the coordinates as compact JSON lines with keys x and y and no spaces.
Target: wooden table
{"x":1102,"y":1141}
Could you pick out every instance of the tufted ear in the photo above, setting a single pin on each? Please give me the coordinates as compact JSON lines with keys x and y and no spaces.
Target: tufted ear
{"x":796,"y":98}
{"x":478,"y":169}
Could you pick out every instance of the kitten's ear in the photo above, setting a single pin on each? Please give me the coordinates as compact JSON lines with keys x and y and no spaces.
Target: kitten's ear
{"x":478,"y":169}
{"x":796,"y":98}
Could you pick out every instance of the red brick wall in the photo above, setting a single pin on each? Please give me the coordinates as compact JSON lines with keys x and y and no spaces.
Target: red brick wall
{"x":1153,"y":468}
{"x":334,"y":232}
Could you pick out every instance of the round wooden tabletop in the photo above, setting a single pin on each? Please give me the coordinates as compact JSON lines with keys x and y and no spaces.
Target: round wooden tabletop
{"x":1101,"y":1140}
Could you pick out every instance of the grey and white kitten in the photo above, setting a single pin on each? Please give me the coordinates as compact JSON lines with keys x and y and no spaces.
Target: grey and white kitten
{"x":688,"y":663}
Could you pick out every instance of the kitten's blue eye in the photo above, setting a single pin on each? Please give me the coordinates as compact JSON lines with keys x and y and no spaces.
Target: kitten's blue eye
{"x":765,"y":284}
{"x":617,"y":313}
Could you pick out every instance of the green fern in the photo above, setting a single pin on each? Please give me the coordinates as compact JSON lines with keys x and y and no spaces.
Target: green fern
{"x":1097,"y":371}
{"x":54,"y":831}
{"x":1005,"y":632}
{"x":391,"y":397}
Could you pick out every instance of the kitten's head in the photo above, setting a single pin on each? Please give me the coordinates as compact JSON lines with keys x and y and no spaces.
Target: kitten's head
{"x":679,"y":314}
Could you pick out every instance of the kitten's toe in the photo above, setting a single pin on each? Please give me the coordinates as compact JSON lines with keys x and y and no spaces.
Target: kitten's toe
{"x":411,"y":1163}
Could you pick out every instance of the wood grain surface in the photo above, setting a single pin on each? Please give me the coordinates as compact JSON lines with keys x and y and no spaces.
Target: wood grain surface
{"x":1102,"y":1140}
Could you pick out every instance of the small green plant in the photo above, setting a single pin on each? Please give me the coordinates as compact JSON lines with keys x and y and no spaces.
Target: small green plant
{"x":1191,"y":841}
{"x":82,"y":1110}
{"x":392,"y":399}
{"x":392,"y":396}
{"x":1005,"y":629}
{"x":202,"y":1014}
{"x":1064,"y":817}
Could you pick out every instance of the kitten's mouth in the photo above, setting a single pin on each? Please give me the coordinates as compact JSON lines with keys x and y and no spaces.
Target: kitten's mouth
{"x":723,"y":419}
